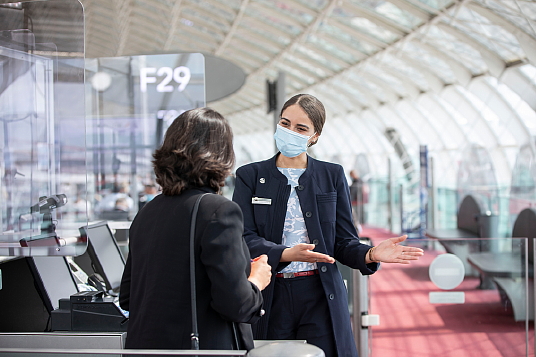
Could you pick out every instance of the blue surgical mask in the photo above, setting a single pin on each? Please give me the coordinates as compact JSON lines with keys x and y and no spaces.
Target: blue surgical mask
{"x":290,"y":143}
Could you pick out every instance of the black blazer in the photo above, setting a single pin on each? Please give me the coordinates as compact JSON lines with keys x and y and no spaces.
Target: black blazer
{"x":155,"y":288}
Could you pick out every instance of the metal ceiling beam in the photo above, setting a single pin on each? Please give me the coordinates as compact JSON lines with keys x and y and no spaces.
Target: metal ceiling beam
{"x":391,"y":94}
{"x":298,"y":39}
{"x":234,"y":26}
{"x":198,"y":32}
{"x":247,"y":53}
{"x":298,"y":6}
{"x":215,"y":7}
{"x":412,"y":89}
{"x":369,"y":60}
{"x":312,"y":64}
{"x":435,"y":83}
{"x":247,"y":41}
{"x":357,"y":34}
{"x":347,"y":47}
{"x":326,"y":54}
{"x":269,"y":44}
{"x":462,"y":73}
{"x":268,"y":28}
{"x":412,"y":9}
{"x":123,"y":9}
{"x":378,"y":19}
{"x":174,"y":25}
{"x":198,"y":19}
{"x":495,"y":63}
{"x":527,"y":42}
{"x":284,"y":16}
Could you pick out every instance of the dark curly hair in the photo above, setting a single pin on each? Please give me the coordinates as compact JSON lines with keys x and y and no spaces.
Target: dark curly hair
{"x":197,"y":151}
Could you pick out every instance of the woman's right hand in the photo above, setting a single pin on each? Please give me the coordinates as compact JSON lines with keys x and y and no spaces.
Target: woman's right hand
{"x":261,"y":272}
{"x":303,"y":252}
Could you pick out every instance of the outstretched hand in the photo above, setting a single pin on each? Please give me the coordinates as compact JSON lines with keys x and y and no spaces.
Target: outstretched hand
{"x":303,"y":252}
{"x":389,"y":251}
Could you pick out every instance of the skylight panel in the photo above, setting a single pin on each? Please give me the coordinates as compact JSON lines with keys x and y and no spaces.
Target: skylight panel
{"x":393,"y":82}
{"x":490,"y":35}
{"x":518,"y":12}
{"x":372,"y":29}
{"x":463,"y":52}
{"x":398,"y":65}
{"x":334,"y":51}
{"x":436,"y":4}
{"x":392,"y":12}
{"x":369,"y":86}
{"x":439,"y":67}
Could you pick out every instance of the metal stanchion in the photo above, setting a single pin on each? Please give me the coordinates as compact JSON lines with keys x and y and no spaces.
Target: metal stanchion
{"x":361,"y":319}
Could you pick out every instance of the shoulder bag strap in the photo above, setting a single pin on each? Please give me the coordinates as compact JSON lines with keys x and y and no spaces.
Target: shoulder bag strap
{"x":194,"y":337}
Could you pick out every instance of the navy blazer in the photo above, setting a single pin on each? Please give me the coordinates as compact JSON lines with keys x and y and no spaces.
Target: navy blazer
{"x":325,"y":202}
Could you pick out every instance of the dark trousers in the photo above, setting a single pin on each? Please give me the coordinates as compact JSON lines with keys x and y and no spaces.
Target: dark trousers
{"x":300,"y":312}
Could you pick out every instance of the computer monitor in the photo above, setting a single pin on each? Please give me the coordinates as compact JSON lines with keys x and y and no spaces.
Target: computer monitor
{"x":31,"y":290}
{"x":106,"y":257}
{"x":54,"y":279}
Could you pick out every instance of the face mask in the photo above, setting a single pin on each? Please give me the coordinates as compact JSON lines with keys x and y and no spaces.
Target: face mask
{"x":290,"y":143}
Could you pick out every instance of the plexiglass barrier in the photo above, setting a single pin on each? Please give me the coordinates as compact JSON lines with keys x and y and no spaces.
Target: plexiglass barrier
{"x":131,"y":102}
{"x":42,"y":146}
{"x":437,"y":307}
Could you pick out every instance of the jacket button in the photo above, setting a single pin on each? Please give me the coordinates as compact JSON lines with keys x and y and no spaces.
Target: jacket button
{"x":315,"y":242}
{"x":308,"y":214}
{"x":324,"y":269}
{"x":331,"y":296}
{"x":300,"y":187}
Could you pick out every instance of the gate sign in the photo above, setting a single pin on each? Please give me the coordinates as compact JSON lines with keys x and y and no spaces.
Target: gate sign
{"x":148,"y":84}
{"x":172,"y":78}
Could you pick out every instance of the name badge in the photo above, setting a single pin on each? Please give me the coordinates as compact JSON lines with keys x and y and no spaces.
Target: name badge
{"x":261,"y":201}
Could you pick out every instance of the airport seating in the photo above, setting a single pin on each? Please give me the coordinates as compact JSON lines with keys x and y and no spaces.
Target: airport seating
{"x":507,"y":270}
{"x":473,"y":221}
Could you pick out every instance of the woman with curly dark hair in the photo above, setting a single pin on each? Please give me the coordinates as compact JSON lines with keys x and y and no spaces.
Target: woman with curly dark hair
{"x":195,"y":158}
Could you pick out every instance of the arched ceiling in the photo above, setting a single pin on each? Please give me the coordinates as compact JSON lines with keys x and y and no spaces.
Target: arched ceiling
{"x":441,"y":73}
{"x":383,"y":50}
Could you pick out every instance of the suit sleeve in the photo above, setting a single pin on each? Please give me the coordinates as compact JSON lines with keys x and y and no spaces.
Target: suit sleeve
{"x":243,"y":192}
{"x":348,"y":249}
{"x":225,"y":257}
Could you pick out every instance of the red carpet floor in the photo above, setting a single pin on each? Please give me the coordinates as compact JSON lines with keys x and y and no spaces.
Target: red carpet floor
{"x":411,"y":326}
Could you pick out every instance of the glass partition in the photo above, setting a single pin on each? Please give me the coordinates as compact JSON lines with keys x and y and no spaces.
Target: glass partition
{"x":395,"y":206}
{"x":42,"y":138}
{"x":435,"y":307}
{"x":131,"y":102}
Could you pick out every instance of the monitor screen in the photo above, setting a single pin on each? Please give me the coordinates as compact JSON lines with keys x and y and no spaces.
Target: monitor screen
{"x":106,"y":258}
{"x":53,"y":278}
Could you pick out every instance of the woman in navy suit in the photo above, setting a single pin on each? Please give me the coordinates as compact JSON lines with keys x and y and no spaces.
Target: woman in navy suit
{"x":297,"y":211}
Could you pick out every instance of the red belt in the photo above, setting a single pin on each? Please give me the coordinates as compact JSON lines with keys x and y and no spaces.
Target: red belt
{"x":293,"y":275}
